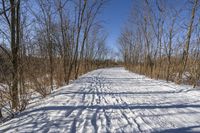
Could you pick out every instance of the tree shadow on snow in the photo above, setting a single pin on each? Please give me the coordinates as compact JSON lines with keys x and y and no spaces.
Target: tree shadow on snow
{"x":190,"y":129}
{"x":113,"y":107}
{"x":39,"y":116}
{"x":121,"y":93}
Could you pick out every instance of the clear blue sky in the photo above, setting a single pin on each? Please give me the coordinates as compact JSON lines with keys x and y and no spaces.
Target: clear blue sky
{"x":115,"y":14}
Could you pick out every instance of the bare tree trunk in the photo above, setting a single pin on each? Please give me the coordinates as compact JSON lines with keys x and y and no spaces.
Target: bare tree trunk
{"x":169,"y":53}
{"x":51,"y":63}
{"x":14,"y":50}
{"x":187,"y":45}
{"x":64,"y":43}
{"x":80,"y":22}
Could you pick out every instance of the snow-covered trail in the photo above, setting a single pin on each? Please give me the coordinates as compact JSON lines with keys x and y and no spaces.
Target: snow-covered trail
{"x":112,"y":100}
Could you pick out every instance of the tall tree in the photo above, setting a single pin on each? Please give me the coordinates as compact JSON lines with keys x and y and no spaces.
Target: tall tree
{"x":188,"y":38}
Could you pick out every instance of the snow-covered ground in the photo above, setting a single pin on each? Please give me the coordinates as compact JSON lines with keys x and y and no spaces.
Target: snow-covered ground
{"x":112,"y":100}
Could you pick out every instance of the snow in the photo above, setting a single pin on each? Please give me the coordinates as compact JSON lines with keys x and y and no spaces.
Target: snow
{"x":112,"y":100}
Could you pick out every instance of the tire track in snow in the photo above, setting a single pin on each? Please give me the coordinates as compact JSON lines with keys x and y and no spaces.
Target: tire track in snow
{"x":135,"y":116}
{"x":100,"y":88}
{"x":105,"y":88}
{"x":121,"y":109}
{"x":74,"y":123}
{"x":135,"y":119}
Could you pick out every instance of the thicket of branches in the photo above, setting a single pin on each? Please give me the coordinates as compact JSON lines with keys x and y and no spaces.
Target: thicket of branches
{"x":46,"y":43}
{"x":162,"y":40}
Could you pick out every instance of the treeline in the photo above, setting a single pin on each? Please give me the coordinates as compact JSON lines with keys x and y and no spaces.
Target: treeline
{"x":161,"y":39}
{"x":45,"y":44}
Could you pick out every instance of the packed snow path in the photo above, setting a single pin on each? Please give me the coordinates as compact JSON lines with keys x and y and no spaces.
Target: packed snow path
{"x":112,"y":100}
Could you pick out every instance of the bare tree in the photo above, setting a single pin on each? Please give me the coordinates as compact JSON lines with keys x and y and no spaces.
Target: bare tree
{"x":188,"y":38}
{"x":153,"y":30}
{"x":13,"y":22}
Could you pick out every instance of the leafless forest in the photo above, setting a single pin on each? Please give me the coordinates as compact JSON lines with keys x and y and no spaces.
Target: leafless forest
{"x":162,"y":41}
{"x":47,"y":43}
{"x":44,"y":44}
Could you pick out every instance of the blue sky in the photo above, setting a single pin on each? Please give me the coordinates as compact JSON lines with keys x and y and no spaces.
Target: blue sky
{"x":115,"y":14}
